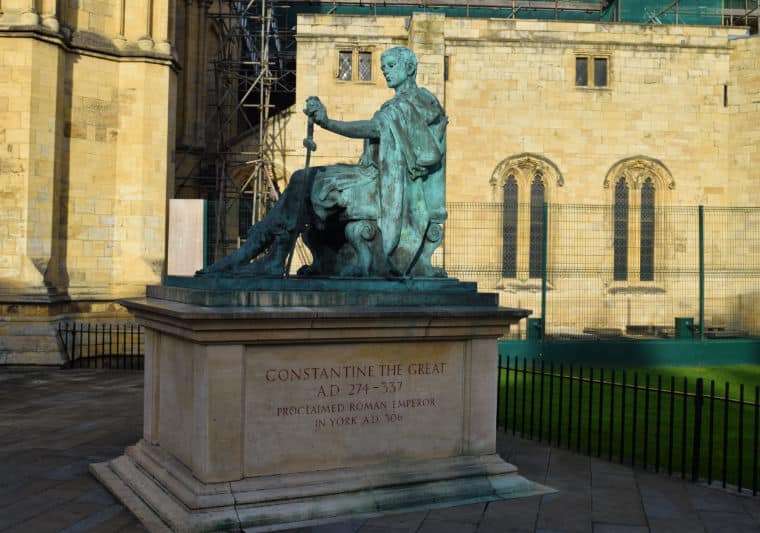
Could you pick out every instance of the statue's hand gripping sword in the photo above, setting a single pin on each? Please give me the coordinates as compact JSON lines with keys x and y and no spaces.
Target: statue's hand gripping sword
{"x":310,"y":146}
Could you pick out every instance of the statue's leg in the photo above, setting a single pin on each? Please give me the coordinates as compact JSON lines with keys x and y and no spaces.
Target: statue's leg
{"x":284,"y":223}
{"x":313,"y":241}
{"x":277,"y":231}
{"x":259,"y":237}
{"x":433,"y":238}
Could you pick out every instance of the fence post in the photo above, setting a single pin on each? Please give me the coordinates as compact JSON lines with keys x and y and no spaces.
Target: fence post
{"x":544,"y":262}
{"x":696,"y":443}
{"x":701,"y":272}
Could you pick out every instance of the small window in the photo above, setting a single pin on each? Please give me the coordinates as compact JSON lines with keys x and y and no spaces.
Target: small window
{"x":600,"y":71}
{"x":591,"y":69}
{"x":354,"y":65}
{"x":581,"y":71}
{"x":345,"y":65}
{"x":365,"y":66}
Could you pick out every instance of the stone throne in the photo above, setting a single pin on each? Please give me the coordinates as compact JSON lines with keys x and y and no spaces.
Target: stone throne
{"x":352,"y":246}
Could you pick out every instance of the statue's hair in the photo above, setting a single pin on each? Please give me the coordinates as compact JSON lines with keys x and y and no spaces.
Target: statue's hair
{"x":405,"y":54}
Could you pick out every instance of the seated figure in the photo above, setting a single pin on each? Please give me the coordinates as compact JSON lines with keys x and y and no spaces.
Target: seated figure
{"x":380,"y":217}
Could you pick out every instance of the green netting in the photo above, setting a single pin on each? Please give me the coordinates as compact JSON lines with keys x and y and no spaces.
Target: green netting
{"x":692,"y":12}
{"x":699,"y":12}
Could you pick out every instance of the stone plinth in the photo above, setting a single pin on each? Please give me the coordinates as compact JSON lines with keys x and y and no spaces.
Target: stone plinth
{"x":273,"y":417}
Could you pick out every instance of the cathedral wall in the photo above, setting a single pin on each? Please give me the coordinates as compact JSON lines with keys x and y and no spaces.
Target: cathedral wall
{"x":743,"y":99}
{"x":28,"y":101}
{"x":512,"y":89}
{"x":117,"y":167}
{"x":87,"y":95}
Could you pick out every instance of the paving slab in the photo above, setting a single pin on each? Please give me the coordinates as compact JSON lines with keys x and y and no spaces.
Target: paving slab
{"x":728,"y":522}
{"x":617,"y":528}
{"x":464,"y":514}
{"x":434,"y":526}
{"x":617,"y":505}
{"x":515,"y":515}
{"x":568,"y":510}
{"x":395,"y":523}
{"x":691,"y":524}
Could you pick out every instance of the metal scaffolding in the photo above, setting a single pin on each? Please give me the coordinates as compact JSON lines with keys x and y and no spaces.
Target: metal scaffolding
{"x":252,"y":78}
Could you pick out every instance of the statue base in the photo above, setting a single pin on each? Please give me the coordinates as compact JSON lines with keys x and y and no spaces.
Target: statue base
{"x":321,"y":292}
{"x":165,"y":496}
{"x":268,"y":418}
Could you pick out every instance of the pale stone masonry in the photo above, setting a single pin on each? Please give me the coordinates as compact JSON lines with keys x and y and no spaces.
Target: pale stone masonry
{"x":87,"y":98}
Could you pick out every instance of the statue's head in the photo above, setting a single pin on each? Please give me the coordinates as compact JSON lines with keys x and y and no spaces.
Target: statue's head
{"x":399,"y":64}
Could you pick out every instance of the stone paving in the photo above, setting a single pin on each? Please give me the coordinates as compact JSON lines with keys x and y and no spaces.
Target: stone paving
{"x":54,"y":423}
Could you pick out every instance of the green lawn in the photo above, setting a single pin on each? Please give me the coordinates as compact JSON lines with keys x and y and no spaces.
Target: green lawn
{"x":661,"y":432}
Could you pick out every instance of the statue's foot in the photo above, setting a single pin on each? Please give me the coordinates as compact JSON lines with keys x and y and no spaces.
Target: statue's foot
{"x":438,"y":272}
{"x":223,"y":265}
{"x":206,"y":272}
{"x":422,"y":270}
{"x":269,"y":265}
{"x":308,"y":270}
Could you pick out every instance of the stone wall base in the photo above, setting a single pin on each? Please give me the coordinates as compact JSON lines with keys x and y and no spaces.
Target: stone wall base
{"x":29,"y":330}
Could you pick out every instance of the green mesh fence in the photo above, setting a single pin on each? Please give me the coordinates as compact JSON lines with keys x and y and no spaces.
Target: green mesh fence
{"x":613,"y":274}
{"x":732,"y":271}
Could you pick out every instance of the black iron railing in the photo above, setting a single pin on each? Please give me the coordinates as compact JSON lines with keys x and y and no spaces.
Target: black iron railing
{"x":679,"y":426}
{"x":115,"y":346}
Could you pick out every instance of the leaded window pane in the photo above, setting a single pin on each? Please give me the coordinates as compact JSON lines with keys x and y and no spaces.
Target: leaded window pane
{"x":365,"y":66}
{"x":581,"y":71}
{"x":345,"y":66}
{"x":509,"y":229}
{"x":600,"y":71}
{"x":620,"y":245}
{"x":647,"y":231}
{"x":536,"y":252}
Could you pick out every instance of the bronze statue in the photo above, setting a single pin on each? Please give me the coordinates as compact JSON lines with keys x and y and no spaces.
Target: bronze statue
{"x":380,"y":217}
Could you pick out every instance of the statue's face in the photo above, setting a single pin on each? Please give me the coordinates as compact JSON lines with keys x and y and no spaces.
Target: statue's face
{"x":394,"y":69}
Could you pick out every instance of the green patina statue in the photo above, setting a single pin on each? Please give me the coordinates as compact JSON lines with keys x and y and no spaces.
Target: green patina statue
{"x":379,"y":218}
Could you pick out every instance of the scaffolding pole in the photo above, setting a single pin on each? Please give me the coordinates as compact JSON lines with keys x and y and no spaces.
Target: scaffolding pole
{"x":253,"y":71}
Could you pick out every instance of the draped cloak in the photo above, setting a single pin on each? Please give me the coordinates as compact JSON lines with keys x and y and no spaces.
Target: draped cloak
{"x":400,"y":180}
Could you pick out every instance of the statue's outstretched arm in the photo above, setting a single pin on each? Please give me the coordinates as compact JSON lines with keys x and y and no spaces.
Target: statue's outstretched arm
{"x":359,"y":129}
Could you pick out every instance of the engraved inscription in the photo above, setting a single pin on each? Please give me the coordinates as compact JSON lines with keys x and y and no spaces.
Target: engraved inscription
{"x":358,"y":394}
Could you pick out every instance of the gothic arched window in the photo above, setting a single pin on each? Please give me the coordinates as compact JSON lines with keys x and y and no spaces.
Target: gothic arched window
{"x":522,"y":183}
{"x":637,"y":185}
{"x":536,"y":253}
{"x":620,"y":244}
{"x":647,"y":231}
{"x":509,"y":229}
